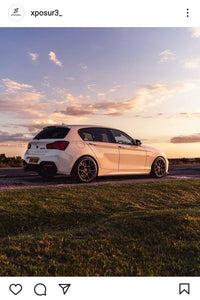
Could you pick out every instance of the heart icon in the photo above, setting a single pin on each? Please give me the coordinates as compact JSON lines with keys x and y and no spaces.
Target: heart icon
{"x":15,"y":288}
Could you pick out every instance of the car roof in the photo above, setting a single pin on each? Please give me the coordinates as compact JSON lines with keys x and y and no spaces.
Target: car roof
{"x":76,"y":126}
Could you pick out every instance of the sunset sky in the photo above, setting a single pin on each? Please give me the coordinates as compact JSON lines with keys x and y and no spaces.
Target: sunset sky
{"x":145,"y":81}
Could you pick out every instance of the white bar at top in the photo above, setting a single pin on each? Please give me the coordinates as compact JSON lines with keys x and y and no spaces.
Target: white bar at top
{"x":105,"y":13}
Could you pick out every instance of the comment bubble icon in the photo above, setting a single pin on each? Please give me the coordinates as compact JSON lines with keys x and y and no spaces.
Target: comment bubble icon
{"x":40,"y":289}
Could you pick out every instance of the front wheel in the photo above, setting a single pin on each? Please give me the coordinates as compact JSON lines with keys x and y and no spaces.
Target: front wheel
{"x":85,"y":169}
{"x":158,"y":168}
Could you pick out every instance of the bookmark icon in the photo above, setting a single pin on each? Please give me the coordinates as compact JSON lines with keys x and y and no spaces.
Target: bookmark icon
{"x":184,"y":288}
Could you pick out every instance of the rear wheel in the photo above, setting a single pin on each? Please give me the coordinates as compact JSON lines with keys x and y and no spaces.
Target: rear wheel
{"x":85,"y":169}
{"x":158,"y":168}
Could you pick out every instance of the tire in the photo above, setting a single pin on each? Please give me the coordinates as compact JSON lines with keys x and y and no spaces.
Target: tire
{"x":85,"y":169}
{"x":158,"y":168}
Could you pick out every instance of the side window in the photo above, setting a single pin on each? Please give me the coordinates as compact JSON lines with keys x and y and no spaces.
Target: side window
{"x":121,"y":138}
{"x":101,"y":135}
{"x":85,"y":134}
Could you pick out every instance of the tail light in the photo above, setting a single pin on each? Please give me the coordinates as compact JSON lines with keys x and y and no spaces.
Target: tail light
{"x":29,"y":146}
{"x":59,"y":145}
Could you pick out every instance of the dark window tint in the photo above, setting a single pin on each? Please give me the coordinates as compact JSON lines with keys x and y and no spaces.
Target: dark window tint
{"x":85,"y":134}
{"x":121,"y":137}
{"x":52,"y":133}
{"x":101,"y":135}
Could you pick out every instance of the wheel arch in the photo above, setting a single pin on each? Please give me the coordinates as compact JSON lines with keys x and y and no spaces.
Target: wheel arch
{"x":159,"y":156}
{"x":74,"y":165}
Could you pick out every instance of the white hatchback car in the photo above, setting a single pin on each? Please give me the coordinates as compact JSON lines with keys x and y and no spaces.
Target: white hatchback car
{"x":87,"y":151}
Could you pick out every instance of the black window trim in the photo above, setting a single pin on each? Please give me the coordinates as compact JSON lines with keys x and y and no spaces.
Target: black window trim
{"x":113,"y":141}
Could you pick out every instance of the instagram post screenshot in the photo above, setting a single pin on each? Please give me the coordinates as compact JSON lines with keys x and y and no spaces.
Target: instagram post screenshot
{"x":99,"y":149}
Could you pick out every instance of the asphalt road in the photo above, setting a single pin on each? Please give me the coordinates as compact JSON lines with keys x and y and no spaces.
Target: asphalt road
{"x":17,"y":178}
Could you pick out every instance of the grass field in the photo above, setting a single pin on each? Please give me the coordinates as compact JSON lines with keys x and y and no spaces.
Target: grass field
{"x":149,"y":229}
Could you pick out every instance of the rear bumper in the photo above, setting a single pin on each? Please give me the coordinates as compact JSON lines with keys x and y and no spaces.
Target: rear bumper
{"x":37,"y":167}
{"x":61,"y":159}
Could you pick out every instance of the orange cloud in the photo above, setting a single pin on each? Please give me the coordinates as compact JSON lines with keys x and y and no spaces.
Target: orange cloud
{"x":194,"y":138}
{"x":145,"y":96}
{"x":13,"y":86}
{"x":22,"y":99}
{"x":190,"y":115}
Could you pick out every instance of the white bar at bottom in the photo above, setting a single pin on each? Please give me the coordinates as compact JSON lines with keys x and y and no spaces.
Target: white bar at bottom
{"x":96,"y":288}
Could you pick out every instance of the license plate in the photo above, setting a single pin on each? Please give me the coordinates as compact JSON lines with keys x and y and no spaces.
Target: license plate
{"x":33,"y":160}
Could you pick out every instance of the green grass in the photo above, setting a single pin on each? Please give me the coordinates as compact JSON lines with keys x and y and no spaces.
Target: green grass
{"x":149,"y":229}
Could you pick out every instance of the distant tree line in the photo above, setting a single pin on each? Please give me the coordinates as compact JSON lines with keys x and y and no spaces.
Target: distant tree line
{"x":10,"y":162}
{"x":182,"y":161}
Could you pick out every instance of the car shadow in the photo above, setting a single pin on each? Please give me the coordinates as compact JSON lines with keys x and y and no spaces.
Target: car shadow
{"x":62,"y":179}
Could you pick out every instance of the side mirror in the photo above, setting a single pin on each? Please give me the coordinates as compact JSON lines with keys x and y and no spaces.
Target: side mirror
{"x":137,"y":142}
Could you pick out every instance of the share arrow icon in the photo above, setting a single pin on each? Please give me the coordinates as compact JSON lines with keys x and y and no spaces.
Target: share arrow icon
{"x":65,"y":287}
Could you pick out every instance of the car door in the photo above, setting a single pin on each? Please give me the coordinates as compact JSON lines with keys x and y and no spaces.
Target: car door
{"x":106,"y":152}
{"x":131,"y":157}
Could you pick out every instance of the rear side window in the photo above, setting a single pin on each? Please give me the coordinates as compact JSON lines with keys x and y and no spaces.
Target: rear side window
{"x":52,"y":133}
{"x":95,"y":134}
{"x":85,"y":134}
{"x":101,"y":135}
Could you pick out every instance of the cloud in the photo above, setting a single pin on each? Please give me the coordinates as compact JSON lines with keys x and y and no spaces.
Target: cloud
{"x":52,"y":56}
{"x":112,"y":90}
{"x":79,"y":110}
{"x":190,"y":115}
{"x":145,"y":96}
{"x":157,"y":87}
{"x":15,"y":145}
{"x":13,"y":86}
{"x":84,"y":67}
{"x":70,"y":78}
{"x":195,"y":31}
{"x":60,"y":91}
{"x":116,"y":87}
{"x":16,"y":137}
{"x":34,"y":56}
{"x":194,"y":138}
{"x":24,"y":102}
{"x":167,"y":55}
{"x":21,"y":99}
{"x":36,"y":125}
{"x":91,"y":86}
{"x":192,"y":63}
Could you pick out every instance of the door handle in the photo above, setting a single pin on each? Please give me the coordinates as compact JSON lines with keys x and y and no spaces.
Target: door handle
{"x":92,"y":144}
{"x":121,"y":147}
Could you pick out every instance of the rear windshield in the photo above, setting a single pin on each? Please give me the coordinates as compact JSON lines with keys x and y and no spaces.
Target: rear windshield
{"x":52,"y":133}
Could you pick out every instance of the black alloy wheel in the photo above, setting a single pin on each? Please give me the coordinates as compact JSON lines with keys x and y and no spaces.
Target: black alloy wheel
{"x":86,"y":169}
{"x":159,"y":167}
